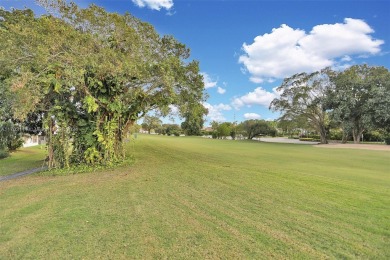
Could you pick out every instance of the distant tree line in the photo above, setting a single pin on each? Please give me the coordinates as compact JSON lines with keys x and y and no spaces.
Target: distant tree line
{"x":353,"y":101}
{"x":248,"y":129}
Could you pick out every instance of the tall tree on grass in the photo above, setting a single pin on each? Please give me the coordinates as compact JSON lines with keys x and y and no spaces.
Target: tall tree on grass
{"x":380,"y":102}
{"x":93,"y":74}
{"x":304,"y":96}
{"x":360,"y":99}
{"x":194,"y":119}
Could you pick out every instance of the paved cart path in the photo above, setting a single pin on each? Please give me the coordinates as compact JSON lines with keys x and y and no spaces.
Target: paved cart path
{"x":21,"y":174}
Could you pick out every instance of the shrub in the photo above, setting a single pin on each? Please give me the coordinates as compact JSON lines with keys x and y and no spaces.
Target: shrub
{"x":15,"y":144}
{"x":374,"y":136}
{"x":3,"y":154}
{"x":10,"y":136}
{"x":307,"y":139}
{"x":387,"y":140}
{"x":335,"y":134}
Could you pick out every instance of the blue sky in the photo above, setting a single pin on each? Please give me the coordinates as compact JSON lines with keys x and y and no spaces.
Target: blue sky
{"x":246,"y":48}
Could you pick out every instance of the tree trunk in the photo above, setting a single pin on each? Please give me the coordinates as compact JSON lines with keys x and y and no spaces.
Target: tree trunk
{"x":346,"y":132}
{"x":345,"y":137}
{"x":323,"y":135}
{"x":50,"y":148}
{"x":357,"y":133}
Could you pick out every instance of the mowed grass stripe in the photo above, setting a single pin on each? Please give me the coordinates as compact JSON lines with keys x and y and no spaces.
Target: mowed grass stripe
{"x":199,"y":198}
{"x":328,"y":212}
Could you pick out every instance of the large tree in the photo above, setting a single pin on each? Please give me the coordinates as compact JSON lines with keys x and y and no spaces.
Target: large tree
{"x":254,"y":127}
{"x":360,"y":99}
{"x":92,"y":74}
{"x":303,"y":96}
{"x":151,"y":123}
{"x":380,"y":104}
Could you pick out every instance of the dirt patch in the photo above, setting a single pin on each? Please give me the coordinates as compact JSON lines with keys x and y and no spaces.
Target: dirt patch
{"x":376,"y":147}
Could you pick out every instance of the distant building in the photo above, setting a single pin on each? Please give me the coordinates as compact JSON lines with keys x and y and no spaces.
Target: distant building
{"x":32,"y":140}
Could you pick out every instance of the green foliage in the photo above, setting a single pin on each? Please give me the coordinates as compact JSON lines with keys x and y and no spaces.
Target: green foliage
{"x":233,"y":133}
{"x":169,"y":129}
{"x":3,"y":153}
{"x":359,"y":99}
{"x":194,"y":120}
{"x":252,"y":128}
{"x":307,"y":139}
{"x":10,"y":136}
{"x":303,"y":97}
{"x":356,"y":99}
{"x":387,"y":140}
{"x":151,"y":123}
{"x":96,"y":74}
{"x":374,"y":136}
{"x":5,"y":101}
{"x":224,"y":129}
{"x":379,"y":104}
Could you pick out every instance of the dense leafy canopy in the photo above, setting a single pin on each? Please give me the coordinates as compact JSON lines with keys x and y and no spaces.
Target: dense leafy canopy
{"x":10,"y":137}
{"x":380,"y":102}
{"x":254,"y":127}
{"x":151,"y":123}
{"x":359,"y":100}
{"x":355,"y":99}
{"x":91,"y":74}
{"x":193,"y":115}
{"x":303,"y":96}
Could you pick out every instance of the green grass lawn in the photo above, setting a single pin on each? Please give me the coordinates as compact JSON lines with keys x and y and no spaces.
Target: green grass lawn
{"x":23,"y":159}
{"x":202,"y":198}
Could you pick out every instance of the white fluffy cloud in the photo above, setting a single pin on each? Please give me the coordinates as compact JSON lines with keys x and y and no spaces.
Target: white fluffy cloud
{"x":215,"y":111}
{"x":286,"y":51}
{"x":208,"y":81}
{"x":259,"y":96}
{"x":252,"y":116}
{"x":154,"y":4}
{"x":221,"y":90}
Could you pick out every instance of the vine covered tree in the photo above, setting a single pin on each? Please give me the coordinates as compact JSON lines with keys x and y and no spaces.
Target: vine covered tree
{"x":92,"y":74}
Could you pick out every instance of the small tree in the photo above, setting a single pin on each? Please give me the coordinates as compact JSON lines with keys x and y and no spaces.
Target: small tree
{"x":194,"y":120}
{"x":10,"y":136}
{"x":169,"y":129}
{"x":151,"y":122}
{"x":224,"y":129}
